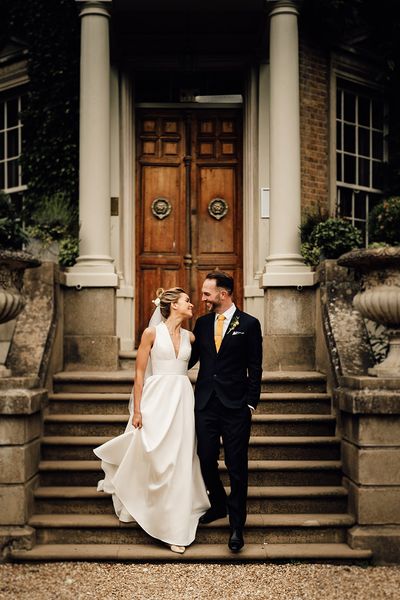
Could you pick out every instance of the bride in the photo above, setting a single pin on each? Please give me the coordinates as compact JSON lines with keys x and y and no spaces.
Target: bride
{"x":152,"y":470}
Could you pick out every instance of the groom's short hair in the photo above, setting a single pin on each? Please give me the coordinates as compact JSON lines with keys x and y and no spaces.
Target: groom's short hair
{"x":222,"y":280}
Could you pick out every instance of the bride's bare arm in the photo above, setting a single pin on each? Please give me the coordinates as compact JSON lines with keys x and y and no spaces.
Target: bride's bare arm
{"x":142,"y":359}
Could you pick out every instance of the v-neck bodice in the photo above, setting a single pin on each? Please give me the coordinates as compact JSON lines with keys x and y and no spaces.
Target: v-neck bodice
{"x":163,"y":357}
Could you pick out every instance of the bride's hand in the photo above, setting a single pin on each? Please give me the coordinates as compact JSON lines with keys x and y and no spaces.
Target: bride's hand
{"x":137,"y":420}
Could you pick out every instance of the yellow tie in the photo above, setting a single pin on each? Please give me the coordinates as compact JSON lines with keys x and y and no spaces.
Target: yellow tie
{"x":218,"y":331}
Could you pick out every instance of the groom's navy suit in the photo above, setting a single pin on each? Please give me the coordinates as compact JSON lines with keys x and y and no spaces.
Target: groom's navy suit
{"x":228,"y":382}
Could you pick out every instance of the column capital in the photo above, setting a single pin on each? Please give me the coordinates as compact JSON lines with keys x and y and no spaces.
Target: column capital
{"x":94,"y":7}
{"x":276,"y":7}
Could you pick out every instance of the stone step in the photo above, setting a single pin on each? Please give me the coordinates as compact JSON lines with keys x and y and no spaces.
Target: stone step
{"x":261,"y":499}
{"x":260,"y":529}
{"x":260,"y":447}
{"x":121,"y":381}
{"x":264,"y":425}
{"x":117,"y":403}
{"x":197,"y":552}
{"x":279,"y":473}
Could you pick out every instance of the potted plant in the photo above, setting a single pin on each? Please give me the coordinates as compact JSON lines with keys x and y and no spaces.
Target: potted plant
{"x":13,"y":262}
{"x":379,"y":268}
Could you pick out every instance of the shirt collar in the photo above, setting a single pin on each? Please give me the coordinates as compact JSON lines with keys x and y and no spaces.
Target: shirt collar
{"x":228,"y":314}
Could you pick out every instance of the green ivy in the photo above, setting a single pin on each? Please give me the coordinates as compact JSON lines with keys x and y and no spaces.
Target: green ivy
{"x":50,"y":30}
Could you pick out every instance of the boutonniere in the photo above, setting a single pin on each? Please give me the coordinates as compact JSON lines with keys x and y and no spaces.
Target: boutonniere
{"x":234,"y":323}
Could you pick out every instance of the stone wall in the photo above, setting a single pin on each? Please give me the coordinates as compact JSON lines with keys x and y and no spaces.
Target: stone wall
{"x":314,"y":127}
{"x":368,"y":411}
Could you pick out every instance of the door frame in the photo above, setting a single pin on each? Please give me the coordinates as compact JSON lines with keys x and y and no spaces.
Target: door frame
{"x":255,"y":175}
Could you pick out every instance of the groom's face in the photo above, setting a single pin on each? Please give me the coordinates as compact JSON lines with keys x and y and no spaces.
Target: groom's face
{"x":211,"y":295}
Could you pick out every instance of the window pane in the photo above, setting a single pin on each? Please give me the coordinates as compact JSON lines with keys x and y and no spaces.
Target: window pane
{"x":363,"y":171}
{"x":12,"y":173}
{"x":377,"y":175}
{"x":349,"y":169}
{"x":377,"y":114}
{"x":339,"y":166}
{"x":2,"y":108}
{"x":360,"y":206}
{"x":345,"y":202}
{"x":12,"y":143}
{"x":12,"y":112}
{"x":349,"y":107}
{"x":349,"y":138}
{"x":363,"y":111}
{"x":377,"y":145}
{"x":339,"y":103}
{"x":363,"y":141}
{"x":1,"y":146}
{"x":339,"y":136}
{"x":2,"y":167}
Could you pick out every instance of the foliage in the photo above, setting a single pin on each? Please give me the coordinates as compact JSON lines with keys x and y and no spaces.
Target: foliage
{"x":384,"y":222}
{"x":330,"y":239}
{"x":69,"y":251}
{"x":310,"y":220}
{"x":12,"y":234}
{"x":50,"y":113}
{"x":53,"y":219}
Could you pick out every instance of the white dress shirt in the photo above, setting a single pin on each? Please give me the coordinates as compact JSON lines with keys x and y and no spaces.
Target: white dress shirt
{"x":228,"y":314}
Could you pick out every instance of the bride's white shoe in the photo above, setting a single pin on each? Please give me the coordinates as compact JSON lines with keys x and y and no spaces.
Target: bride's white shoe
{"x":178,"y":549}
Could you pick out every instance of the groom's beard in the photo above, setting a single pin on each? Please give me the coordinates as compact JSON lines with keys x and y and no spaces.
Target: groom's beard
{"x":213,"y":306}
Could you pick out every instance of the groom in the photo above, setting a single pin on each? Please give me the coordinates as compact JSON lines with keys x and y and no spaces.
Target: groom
{"x":229,"y":346}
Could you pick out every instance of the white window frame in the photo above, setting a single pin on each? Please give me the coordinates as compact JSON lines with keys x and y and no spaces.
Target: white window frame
{"x":357,"y":75}
{"x":19,"y":127}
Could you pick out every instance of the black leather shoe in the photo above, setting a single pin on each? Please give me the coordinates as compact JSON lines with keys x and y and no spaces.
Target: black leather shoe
{"x":212,"y":515}
{"x":236,"y":541}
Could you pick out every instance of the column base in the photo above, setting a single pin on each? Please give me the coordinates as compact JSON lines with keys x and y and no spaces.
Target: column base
{"x":289,"y":278}
{"x":287,"y":270}
{"x":92,"y":271}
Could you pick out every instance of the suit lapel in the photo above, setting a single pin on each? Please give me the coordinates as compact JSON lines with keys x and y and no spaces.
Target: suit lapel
{"x":225,"y":339}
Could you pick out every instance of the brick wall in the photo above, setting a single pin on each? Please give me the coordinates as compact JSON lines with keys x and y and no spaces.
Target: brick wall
{"x":314,"y":128}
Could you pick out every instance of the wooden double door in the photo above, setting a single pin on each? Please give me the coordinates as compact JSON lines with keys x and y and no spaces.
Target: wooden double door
{"x":189,"y":202}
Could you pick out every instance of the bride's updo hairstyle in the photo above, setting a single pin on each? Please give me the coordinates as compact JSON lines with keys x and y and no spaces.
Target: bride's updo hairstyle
{"x":167,"y":297}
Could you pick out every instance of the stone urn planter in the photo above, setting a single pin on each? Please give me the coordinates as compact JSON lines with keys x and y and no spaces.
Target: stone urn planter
{"x":379,"y":297}
{"x":12,"y":266}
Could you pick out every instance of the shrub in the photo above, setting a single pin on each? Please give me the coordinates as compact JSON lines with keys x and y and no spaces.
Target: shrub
{"x":384,"y":222}
{"x":12,"y":234}
{"x":69,"y":251}
{"x":330,"y":239}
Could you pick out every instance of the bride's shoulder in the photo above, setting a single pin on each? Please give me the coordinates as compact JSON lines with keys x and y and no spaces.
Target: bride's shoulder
{"x":149,"y":334}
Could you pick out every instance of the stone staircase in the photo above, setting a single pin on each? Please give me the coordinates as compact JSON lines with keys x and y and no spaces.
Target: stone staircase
{"x":297,"y":504}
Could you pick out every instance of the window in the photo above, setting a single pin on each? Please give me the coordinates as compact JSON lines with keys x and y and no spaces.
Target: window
{"x":11,"y":144}
{"x":359,"y":152}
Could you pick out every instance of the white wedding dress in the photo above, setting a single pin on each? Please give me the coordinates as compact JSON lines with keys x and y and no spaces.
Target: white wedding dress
{"x":154,"y":473}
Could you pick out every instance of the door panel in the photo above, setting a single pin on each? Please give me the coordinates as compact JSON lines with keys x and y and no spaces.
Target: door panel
{"x":189,"y":203}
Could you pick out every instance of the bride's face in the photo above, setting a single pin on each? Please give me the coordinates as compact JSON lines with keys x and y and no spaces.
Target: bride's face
{"x":183,"y":306}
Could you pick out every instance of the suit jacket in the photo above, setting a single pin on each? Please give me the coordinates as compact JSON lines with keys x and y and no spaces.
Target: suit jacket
{"x":233,"y":373}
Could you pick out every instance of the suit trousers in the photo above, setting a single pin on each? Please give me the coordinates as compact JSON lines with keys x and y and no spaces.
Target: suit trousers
{"x":233,"y":425}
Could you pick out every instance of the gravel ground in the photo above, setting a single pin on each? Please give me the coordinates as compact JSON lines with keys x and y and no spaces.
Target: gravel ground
{"x":106,"y":581}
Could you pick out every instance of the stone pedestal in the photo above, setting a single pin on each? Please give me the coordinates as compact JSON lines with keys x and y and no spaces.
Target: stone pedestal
{"x":21,"y":405}
{"x":289,"y":336}
{"x":370,"y":411}
{"x":90,"y":343}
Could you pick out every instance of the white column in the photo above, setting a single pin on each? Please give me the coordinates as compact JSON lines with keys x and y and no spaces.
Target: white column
{"x":94,"y":266}
{"x":284,"y":265}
